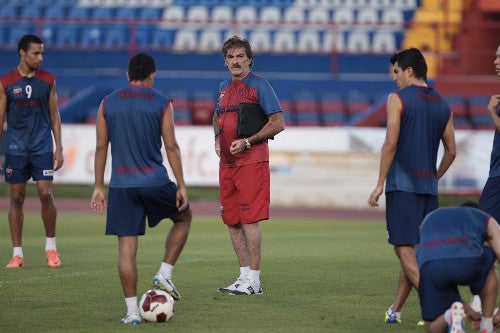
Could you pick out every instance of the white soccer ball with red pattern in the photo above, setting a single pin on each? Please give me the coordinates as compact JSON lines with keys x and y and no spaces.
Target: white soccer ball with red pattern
{"x":157,"y":306}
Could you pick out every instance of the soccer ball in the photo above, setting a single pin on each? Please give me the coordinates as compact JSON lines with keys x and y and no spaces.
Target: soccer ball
{"x":157,"y":306}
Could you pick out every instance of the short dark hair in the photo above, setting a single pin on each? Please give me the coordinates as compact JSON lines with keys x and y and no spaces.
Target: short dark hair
{"x":413,"y":58}
{"x":26,"y":40}
{"x":141,"y":66}
{"x":236,"y":41}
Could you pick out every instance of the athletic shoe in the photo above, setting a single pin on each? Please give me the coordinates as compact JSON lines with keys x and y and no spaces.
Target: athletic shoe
{"x":16,"y":262}
{"x":392,"y":317}
{"x":231,"y":287}
{"x":133,"y":319}
{"x":247,"y":288}
{"x":457,"y":318}
{"x":167,"y":285}
{"x":53,"y":258}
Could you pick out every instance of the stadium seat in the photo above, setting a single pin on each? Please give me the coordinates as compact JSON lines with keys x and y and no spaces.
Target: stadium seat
{"x":8,"y":11}
{"x":203,"y":106}
{"x":260,"y":39}
{"x":284,"y":40}
{"x":392,"y":15}
{"x":358,"y":40}
{"x":66,"y":35}
{"x":406,"y":4}
{"x":319,"y":15}
{"x":16,"y":32}
{"x":306,"y":109}
{"x":55,"y":12}
{"x":461,"y":117}
{"x":270,"y":15}
{"x":182,"y":108}
{"x":150,"y":13}
{"x":343,"y":15}
{"x":333,"y":109}
{"x":143,"y":33}
{"x":116,"y":36}
{"x":197,"y":14}
{"x":222,"y":15}
{"x":162,"y":38}
{"x":101,"y":13}
{"x":384,"y":41}
{"x":309,"y":40}
{"x":186,"y":40}
{"x":173,"y":15}
{"x":294,"y":15}
{"x":91,"y":36}
{"x":288,"y":112}
{"x":357,"y":102}
{"x":367,"y":15}
{"x":31,"y":12}
{"x":246,"y":14}
{"x":211,"y":39}
{"x":478,"y":109}
{"x":78,"y":13}
{"x":125,"y":13}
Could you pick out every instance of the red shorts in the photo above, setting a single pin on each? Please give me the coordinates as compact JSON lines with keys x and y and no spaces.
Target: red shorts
{"x":244,"y":193}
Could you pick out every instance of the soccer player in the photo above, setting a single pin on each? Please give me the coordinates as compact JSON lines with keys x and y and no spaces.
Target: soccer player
{"x":134,"y":120}
{"x":244,"y":175}
{"x":418,"y":119}
{"x":29,"y":98}
{"x":490,"y":196}
{"x":458,"y":247}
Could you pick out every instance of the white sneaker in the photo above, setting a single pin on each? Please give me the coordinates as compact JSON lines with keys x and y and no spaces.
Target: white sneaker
{"x":475,"y":304}
{"x":231,"y":287}
{"x":166,"y":284}
{"x":247,"y":288}
{"x":133,"y":319}
{"x":457,"y":318}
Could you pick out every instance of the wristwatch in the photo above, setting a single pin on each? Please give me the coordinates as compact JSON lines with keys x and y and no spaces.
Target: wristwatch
{"x":247,"y":143}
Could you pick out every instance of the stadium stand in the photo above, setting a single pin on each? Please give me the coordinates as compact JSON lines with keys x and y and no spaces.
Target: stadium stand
{"x":328,"y":47}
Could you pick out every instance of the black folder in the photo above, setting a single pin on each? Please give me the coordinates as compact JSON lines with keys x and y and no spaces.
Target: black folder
{"x":251,"y":118}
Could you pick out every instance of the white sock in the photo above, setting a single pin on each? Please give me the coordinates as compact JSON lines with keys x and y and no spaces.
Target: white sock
{"x":486,"y":324}
{"x":254,"y":276}
{"x":447,"y":316}
{"x":132,"y":306}
{"x":166,"y":270}
{"x":390,"y":310}
{"x":50,"y":244}
{"x":244,"y":272}
{"x":18,"y":251}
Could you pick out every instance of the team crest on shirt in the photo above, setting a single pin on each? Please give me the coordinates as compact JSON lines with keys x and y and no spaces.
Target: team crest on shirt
{"x":18,"y":91}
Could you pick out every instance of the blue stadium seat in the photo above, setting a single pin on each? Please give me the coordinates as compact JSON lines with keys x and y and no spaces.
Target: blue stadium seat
{"x":143,"y":33}
{"x":333,"y":109}
{"x":31,"y":12}
{"x":150,"y":13}
{"x":8,"y":11}
{"x":91,"y":36}
{"x":55,"y":12}
{"x":102,"y":13}
{"x":306,"y":109}
{"x":67,"y":35}
{"x":79,"y":13}
{"x":162,"y":38}
{"x":125,"y":13}
{"x":16,"y":32}
{"x":116,"y":36}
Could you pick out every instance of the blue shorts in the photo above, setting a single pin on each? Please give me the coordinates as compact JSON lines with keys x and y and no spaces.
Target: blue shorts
{"x":20,"y":168}
{"x":405,"y":211}
{"x":128,"y":208}
{"x":439,"y":281}
{"x":490,"y":197}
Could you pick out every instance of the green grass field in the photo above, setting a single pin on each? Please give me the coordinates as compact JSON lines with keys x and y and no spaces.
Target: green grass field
{"x":317,"y":276}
